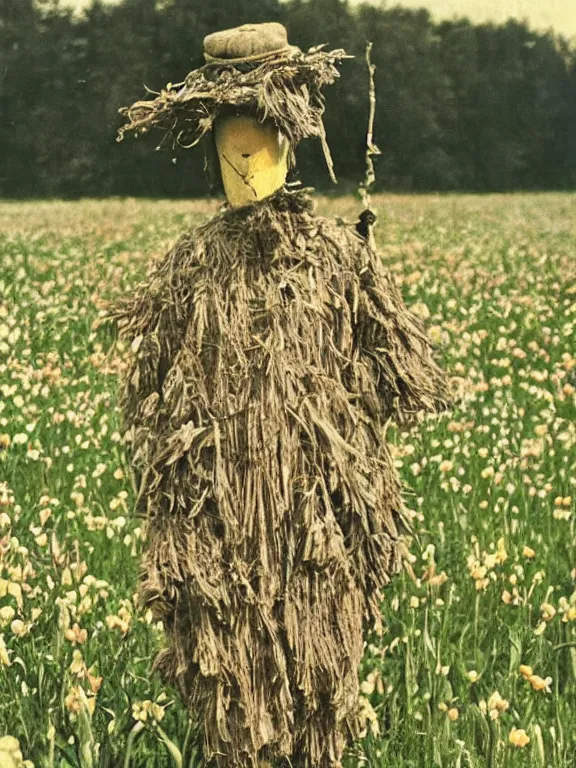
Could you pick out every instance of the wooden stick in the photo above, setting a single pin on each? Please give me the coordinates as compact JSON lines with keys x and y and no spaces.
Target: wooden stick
{"x":371,"y":148}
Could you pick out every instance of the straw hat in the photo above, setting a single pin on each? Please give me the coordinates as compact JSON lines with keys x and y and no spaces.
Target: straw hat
{"x":252,"y":68}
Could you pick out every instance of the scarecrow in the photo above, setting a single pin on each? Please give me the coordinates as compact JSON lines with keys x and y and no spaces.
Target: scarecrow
{"x":271,"y":349}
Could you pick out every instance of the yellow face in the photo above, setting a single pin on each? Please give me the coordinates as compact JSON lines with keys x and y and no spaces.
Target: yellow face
{"x":253,"y":158}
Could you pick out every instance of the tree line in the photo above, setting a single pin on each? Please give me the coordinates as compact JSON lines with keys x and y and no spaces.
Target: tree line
{"x":459,"y":106}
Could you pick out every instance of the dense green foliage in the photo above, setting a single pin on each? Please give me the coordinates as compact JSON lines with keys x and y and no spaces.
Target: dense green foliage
{"x":492,"y":485}
{"x":460,"y":107}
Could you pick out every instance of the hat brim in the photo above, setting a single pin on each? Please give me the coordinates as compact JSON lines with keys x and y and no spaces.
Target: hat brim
{"x":287,"y":50}
{"x":285,"y":87}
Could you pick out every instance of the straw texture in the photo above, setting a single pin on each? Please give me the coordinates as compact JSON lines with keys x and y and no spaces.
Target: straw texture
{"x":285,"y":89}
{"x":270,"y":350}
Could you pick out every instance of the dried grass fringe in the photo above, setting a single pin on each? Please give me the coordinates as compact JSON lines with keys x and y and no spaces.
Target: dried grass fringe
{"x":271,"y":348}
{"x":285,"y":89}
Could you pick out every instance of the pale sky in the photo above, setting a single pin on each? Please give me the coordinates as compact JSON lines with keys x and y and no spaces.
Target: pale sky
{"x":540,"y":14}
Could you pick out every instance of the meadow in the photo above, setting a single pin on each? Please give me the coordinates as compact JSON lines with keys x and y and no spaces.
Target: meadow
{"x":476,"y":664}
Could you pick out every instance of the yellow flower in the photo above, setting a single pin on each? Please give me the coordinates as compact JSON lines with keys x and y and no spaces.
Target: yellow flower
{"x":90,"y":703}
{"x":140,"y":710}
{"x":453,"y":714}
{"x":473,"y":676}
{"x":66,"y":578}
{"x":7,"y":613}
{"x":528,"y":552}
{"x":369,"y":715}
{"x":8,"y":760}
{"x":77,"y":667}
{"x":76,"y":635}
{"x":77,"y":699}
{"x":9,"y":744}
{"x":540,"y":629}
{"x":10,"y":754}
{"x":369,"y":685}
{"x":526,"y":671}
{"x":94,"y":682}
{"x":539,"y":684}
{"x":518,"y":737}
{"x":438,"y":579}
{"x":479,"y":572}
{"x":561,"y":514}
{"x":4,"y":658}
{"x":496,"y":705}
{"x":16,"y":591}
{"x":420,"y":309}
{"x":18,"y":628}
{"x":157,"y":712}
{"x":435,"y":334}
{"x":490,"y":560}
{"x":501,"y":553}
{"x":548,"y":611}
{"x":72,"y":701}
{"x":115,"y":622}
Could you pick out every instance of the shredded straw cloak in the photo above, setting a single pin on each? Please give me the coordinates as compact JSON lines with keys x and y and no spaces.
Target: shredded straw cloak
{"x":271,"y":349}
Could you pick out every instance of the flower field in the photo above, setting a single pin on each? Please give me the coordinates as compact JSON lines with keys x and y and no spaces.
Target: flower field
{"x":476,"y":663}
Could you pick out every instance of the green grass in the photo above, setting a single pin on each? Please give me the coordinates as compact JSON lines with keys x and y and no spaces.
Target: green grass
{"x":495,"y":278}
